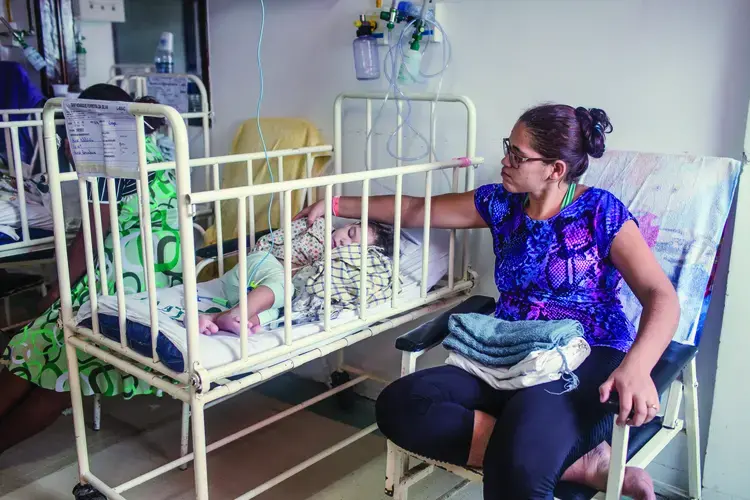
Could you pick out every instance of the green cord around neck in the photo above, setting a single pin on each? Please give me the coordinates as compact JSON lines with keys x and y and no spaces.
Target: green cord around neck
{"x":570,"y":195}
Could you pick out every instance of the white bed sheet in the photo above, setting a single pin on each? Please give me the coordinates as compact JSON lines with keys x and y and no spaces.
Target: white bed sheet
{"x":39,"y":216}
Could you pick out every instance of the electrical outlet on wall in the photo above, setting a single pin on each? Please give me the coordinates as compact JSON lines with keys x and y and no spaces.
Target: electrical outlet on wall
{"x":111,"y":11}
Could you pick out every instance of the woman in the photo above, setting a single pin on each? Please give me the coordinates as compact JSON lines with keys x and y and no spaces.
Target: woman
{"x":35,"y":385}
{"x":554,"y":260}
{"x":17,"y":91}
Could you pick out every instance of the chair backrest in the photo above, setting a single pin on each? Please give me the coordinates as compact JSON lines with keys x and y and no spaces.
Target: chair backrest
{"x":682,"y":203}
{"x":279,"y":133}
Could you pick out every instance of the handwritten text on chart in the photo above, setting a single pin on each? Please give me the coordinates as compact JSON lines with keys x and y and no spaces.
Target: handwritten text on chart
{"x":171,"y":91}
{"x":102,"y":137}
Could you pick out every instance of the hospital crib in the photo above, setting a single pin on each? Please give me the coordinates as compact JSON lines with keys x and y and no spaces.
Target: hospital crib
{"x":201,"y":371}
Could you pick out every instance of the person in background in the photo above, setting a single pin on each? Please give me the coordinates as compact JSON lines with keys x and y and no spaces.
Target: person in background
{"x":35,"y":382}
{"x":562,"y":250}
{"x":17,"y":91}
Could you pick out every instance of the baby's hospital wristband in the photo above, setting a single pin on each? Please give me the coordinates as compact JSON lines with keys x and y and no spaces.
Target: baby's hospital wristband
{"x":335,"y":206}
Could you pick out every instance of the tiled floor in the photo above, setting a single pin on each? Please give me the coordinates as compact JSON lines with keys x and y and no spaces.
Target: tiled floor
{"x":143,"y":433}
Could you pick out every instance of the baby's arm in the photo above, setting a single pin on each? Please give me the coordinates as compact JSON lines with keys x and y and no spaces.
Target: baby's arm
{"x":258,"y":300}
{"x":267,"y":294}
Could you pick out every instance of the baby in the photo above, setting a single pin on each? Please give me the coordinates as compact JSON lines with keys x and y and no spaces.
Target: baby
{"x":266,"y":273}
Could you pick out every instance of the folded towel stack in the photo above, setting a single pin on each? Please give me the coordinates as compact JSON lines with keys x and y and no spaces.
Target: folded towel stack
{"x":502,"y":349}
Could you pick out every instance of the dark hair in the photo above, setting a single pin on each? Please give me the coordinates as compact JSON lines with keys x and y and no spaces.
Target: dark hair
{"x":107,"y":92}
{"x":567,"y":133}
{"x":383,"y":236}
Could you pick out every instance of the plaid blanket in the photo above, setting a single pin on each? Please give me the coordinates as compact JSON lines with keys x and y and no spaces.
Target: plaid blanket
{"x":309,"y":286}
{"x":346,"y":273}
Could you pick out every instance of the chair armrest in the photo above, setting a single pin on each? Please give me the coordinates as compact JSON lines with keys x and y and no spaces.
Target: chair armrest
{"x":430,"y":334}
{"x":230,"y":246}
{"x":666,"y":371}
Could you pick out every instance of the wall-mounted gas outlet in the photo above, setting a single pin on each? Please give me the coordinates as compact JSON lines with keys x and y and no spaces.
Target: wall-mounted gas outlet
{"x":111,"y":11}
{"x":437,"y":13}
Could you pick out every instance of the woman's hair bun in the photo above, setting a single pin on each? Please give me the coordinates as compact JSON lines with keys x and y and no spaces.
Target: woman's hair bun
{"x":594,"y":124}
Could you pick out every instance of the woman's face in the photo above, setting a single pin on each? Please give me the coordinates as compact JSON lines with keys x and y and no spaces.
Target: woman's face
{"x":351,"y":234}
{"x":528,"y":176}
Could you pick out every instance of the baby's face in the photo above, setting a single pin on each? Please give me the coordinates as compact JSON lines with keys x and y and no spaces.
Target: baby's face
{"x":351,"y":234}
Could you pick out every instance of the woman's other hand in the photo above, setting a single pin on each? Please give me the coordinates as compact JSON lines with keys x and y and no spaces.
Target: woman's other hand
{"x":312,"y":212}
{"x":637,"y":394}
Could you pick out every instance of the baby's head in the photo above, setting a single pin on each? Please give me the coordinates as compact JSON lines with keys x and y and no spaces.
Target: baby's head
{"x":380,"y":235}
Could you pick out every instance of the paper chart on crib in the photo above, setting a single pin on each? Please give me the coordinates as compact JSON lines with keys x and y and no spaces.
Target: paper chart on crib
{"x":102,"y":136}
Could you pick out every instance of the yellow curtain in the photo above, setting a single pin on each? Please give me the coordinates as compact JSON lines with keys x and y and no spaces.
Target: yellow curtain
{"x":279,"y":134}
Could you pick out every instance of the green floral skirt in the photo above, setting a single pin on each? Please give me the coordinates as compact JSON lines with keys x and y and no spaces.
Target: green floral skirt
{"x":37,"y":354}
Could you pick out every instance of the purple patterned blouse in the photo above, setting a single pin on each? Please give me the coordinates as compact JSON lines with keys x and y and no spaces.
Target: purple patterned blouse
{"x":559,"y":268}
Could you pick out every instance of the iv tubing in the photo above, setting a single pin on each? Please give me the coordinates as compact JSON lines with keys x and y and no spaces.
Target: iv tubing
{"x":251,"y":277}
{"x":392,"y":78}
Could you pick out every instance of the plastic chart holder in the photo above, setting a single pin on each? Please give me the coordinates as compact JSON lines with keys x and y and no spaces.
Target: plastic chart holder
{"x":102,"y":137}
{"x":170,"y":91}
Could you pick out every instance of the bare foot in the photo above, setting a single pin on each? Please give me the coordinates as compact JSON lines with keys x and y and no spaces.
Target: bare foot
{"x":207,"y":324}
{"x":592,"y":469}
{"x":230,"y":322}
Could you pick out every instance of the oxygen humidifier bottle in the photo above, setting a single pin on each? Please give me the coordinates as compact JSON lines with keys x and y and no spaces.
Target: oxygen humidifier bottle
{"x":366,"y":57}
{"x":408,"y":73}
{"x":164,"y":58}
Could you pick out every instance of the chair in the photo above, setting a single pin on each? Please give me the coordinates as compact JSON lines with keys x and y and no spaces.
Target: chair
{"x":648,"y":186}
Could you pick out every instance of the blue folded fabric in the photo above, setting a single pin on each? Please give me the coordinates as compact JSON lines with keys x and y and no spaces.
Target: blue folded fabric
{"x":498,"y":343}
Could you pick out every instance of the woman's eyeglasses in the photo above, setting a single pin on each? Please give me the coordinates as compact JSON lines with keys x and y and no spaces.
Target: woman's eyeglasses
{"x":516,"y":160}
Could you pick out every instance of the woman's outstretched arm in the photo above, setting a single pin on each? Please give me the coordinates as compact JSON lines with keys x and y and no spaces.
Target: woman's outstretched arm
{"x":448,"y":211}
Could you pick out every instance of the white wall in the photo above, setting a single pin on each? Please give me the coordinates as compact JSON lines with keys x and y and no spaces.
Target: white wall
{"x":100,"y":52}
{"x":673,"y":75}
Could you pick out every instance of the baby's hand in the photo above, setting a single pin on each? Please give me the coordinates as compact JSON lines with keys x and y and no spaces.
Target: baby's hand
{"x":207,"y":324}
{"x":230,"y":322}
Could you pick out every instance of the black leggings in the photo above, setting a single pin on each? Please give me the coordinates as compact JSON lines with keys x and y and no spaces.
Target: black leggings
{"x":537,"y":436}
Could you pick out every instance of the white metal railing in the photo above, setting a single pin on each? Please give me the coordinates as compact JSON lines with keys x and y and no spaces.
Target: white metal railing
{"x":196,"y":384}
{"x":35,"y":133}
{"x":433,"y":100}
{"x":33,"y":124}
{"x":12,"y":130}
{"x":127,"y":68}
{"x":310,"y":153}
{"x":137,"y":83}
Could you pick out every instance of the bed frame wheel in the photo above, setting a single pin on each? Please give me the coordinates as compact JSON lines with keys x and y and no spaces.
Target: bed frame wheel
{"x":345,"y":398}
{"x":87,"y":492}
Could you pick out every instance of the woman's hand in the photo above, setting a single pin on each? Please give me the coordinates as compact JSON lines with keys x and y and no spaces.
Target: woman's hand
{"x":637,"y":393}
{"x":312,"y":212}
